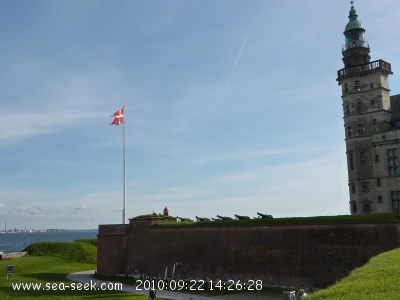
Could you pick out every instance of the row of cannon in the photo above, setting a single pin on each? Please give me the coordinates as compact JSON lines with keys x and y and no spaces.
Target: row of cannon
{"x":222,"y":218}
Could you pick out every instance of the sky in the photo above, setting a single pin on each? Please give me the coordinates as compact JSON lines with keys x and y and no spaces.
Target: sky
{"x":231,"y":107}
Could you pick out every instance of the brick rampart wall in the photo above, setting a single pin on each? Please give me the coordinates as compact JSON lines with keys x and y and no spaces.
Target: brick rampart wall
{"x":314,"y":255}
{"x":111,"y":242}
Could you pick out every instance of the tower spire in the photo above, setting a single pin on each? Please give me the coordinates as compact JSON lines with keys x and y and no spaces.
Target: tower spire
{"x":356,"y":49}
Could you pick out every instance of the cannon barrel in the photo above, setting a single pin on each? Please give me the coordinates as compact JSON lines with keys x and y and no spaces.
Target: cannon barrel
{"x":184,"y":219}
{"x":202,"y":219}
{"x":238,"y":217}
{"x":264,"y":216}
{"x":224,"y":218}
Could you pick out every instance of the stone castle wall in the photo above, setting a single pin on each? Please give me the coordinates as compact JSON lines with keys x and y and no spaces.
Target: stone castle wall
{"x":313,"y":255}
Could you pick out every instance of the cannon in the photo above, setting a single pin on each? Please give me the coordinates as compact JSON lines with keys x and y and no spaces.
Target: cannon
{"x":221,"y":218}
{"x":214,"y":219}
{"x":262,"y":216}
{"x":241,"y":217}
{"x":183,"y":219}
{"x":199,"y":219}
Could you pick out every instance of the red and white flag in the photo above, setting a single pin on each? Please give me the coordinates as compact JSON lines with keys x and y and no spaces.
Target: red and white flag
{"x":118,"y":117}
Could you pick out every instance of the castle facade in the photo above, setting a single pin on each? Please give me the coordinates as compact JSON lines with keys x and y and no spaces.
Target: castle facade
{"x":372,"y":126}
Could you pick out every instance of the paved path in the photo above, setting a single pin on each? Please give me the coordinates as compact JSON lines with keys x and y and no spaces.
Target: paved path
{"x":86,"y":277}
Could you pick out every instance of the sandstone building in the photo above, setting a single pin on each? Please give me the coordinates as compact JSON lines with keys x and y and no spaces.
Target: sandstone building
{"x":372,"y":126}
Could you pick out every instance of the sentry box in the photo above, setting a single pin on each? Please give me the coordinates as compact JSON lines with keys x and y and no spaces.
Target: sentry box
{"x":10,"y":271}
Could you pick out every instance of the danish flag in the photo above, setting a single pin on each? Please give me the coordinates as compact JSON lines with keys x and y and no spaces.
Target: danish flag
{"x":118,"y":117}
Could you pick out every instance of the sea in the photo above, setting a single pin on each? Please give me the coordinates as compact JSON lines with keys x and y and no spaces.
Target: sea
{"x":18,"y":241}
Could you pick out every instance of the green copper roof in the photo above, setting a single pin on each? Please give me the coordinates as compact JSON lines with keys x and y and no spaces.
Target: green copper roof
{"x":353,"y":23}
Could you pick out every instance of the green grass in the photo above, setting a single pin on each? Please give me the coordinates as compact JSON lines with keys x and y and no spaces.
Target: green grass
{"x":377,"y":280}
{"x":45,"y":269}
{"x":67,"y":251}
{"x":320,"y":220}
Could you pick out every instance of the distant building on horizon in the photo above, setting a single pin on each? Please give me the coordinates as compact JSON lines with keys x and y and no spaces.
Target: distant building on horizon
{"x":372,"y":126}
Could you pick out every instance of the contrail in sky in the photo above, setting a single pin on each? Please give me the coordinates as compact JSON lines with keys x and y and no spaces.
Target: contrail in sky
{"x":233,"y":71}
{"x":223,"y":94}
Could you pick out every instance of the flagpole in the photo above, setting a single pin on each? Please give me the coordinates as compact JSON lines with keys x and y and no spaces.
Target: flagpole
{"x":124,"y":155}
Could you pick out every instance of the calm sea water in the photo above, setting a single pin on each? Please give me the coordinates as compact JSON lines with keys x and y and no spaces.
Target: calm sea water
{"x":14,"y":242}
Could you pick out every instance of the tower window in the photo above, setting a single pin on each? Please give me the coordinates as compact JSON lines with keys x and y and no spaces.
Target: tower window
{"x":395,"y":197}
{"x":362,"y":159}
{"x":373,"y":102}
{"x":380,"y":199}
{"x":366,"y":207}
{"x":360,"y":128}
{"x":347,"y":109}
{"x":378,"y":182}
{"x":357,"y":85}
{"x":354,"y":207}
{"x":364,"y":187}
{"x":346,"y":89}
{"x":348,"y":131}
{"x":371,"y":85}
{"x":351,"y":161}
{"x":393,"y":162}
{"x":359,"y":107}
{"x":376,"y":158}
{"x":373,"y":122}
{"x":353,"y":188}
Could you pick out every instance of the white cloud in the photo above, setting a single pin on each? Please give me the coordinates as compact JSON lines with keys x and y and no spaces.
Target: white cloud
{"x":31,"y":124}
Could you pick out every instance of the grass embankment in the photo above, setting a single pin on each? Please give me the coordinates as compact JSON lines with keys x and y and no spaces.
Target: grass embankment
{"x":377,"y":280}
{"x":51,"y":262}
{"x":320,"y":220}
{"x":67,"y":251}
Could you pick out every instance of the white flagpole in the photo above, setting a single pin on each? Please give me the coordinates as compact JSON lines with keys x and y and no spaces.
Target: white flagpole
{"x":124,"y":200}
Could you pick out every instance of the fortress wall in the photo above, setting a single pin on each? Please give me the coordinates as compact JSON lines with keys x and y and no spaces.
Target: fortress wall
{"x":313,"y":255}
{"x":111,"y":242}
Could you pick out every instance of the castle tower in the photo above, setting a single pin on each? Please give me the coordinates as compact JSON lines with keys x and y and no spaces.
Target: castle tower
{"x":370,"y":127}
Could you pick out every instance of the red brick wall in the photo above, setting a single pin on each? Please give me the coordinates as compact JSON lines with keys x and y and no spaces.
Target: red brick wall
{"x":314,"y":255}
{"x":111,"y":242}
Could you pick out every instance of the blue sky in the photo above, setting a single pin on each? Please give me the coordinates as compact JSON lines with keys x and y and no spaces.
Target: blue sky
{"x":231,"y":107}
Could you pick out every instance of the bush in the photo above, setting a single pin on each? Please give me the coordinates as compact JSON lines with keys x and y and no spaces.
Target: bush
{"x":92,"y":241}
{"x":67,"y":251}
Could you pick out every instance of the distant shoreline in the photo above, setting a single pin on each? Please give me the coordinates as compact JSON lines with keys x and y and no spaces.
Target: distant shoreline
{"x":17,"y":241}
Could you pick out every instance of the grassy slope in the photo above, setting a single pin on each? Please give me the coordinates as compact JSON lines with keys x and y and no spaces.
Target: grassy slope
{"x":67,"y":251}
{"x":377,"y":280}
{"x":44,"y":269}
{"x":50,"y":263}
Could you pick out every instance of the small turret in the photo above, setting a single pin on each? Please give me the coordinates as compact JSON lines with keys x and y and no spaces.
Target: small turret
{"x":356,"y":50}
{"x":354,"y":31}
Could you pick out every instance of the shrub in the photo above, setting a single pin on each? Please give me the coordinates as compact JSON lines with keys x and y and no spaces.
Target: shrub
{"x":92,"y":241}
{"x":67,"y":251}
